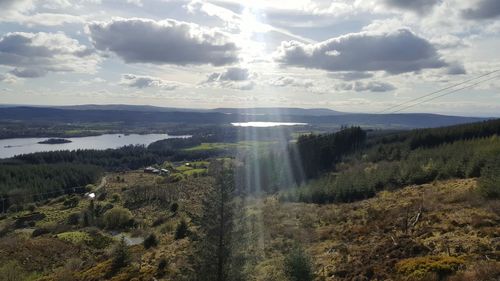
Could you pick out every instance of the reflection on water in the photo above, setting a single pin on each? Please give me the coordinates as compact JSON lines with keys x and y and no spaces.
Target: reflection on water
{"x":266,"y":124}
{"x":12,"y":147}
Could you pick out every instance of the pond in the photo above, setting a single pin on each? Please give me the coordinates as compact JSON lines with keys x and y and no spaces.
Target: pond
{"x":12,"y":147}
{"x":267,"y":124}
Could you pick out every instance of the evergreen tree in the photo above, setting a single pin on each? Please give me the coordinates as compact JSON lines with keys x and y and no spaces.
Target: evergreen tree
{"x":150,"y":241}
{"x":214,"y":251}
{"x":182,"y":230}
{"x":121,"y":256}
{"x":489,"y":183}
{"x":298,"y":265}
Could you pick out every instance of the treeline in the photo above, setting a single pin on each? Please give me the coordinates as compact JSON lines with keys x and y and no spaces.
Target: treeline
{"x":27,"y":183}
{"x":417,"y":157}
{"x":437,"y":136}
{"x":125,"y":158}
{"x":293,"y":164}
{"x":319,"y":153}
{"x":394,"y":146}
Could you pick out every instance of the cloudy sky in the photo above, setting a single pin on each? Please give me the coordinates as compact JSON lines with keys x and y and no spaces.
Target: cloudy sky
{"x":348,"y":55}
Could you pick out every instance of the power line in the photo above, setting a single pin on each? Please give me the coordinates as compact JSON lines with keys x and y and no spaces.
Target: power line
{"x":447,"y":93}
{"x":438,"y":91}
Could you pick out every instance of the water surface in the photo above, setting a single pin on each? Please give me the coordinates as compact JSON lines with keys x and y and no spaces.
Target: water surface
{"x":12,"y":147}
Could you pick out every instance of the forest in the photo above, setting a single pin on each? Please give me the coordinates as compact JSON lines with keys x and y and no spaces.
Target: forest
{"x":390,"y":162}
{"x":21,"y":184}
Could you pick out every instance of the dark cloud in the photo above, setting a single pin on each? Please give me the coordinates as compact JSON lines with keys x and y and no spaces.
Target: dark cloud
{"x":233,"y":77}
{"x":36,"y":54}
{"x":395,"y":52}
{"x":230,"y":74}
{"x":373,"y":87}
{"x":350,"y":76}
{"x":456,"y":69}
{"x":417,"y":6}
{"x":141,"y":82}
{"x":485,"y":9}
{"x":28,"y":73}
{"x":163,"y":42}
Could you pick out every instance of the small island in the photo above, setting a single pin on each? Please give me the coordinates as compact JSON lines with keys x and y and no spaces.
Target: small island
{"x":54,"y":141}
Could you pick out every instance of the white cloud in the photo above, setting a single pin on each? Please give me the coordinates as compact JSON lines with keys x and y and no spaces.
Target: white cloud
{"x":7,"y":78}
{"x":27,"y":12}
{"x":35,"y":54}
{"x":141,"y":82}
{"x":135,"y":2}
{"x":163,"y":42}
{"x":394,"y":52}
{"x":287,"y":81}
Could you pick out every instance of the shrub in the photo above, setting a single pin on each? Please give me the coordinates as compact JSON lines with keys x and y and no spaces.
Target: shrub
{"x":117,"y":218}
{"x":73,"y":219}
{"x":421,"y":267}
{"x":39,"y":231}
{"x":115,"y":197}
{"x":31,"y":207}
{"x":174,"y":207}
{"x":102,"y":195}
{"x":75,"y":237}
{"x":162,"y":265}
{"x":160,"y":220}
{"x":150,"y":241}
{"x":182,"y":230}
{"x":71,"y":202}
{"x":298,"y":266}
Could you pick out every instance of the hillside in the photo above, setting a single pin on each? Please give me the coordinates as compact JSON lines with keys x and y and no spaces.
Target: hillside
{"x":419,"y":205}
{"x":420,"y":232}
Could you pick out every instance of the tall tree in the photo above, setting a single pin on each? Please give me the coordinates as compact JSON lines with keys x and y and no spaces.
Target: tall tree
{"x":215,"y":250}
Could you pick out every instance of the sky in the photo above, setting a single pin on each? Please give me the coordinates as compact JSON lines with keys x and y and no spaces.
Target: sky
{"x":346,"y":55}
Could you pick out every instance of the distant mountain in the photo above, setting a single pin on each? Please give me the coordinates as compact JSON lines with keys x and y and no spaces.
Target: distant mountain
{"x":279,"y":111}
{"x":241,"y":111}
{"x":147,"y":108}
{"x":140,"y":114}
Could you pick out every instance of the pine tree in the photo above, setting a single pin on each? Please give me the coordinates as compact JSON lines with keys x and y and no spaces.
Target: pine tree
{"x":121,"y":256}
{"x":182,"y":230}
{"x":215,"y":253}
{"x":298,"y":265}
{"x":489,"y":183}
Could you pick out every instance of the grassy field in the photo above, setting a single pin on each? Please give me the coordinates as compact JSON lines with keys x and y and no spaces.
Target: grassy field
{"x":239,"y":145}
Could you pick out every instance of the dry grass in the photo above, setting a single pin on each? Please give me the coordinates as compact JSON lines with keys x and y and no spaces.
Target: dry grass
{"x":367,"y":239}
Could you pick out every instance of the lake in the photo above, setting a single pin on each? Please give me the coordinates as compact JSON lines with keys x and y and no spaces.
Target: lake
{"x":12,"y":147}
{"x":267,"y":124}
